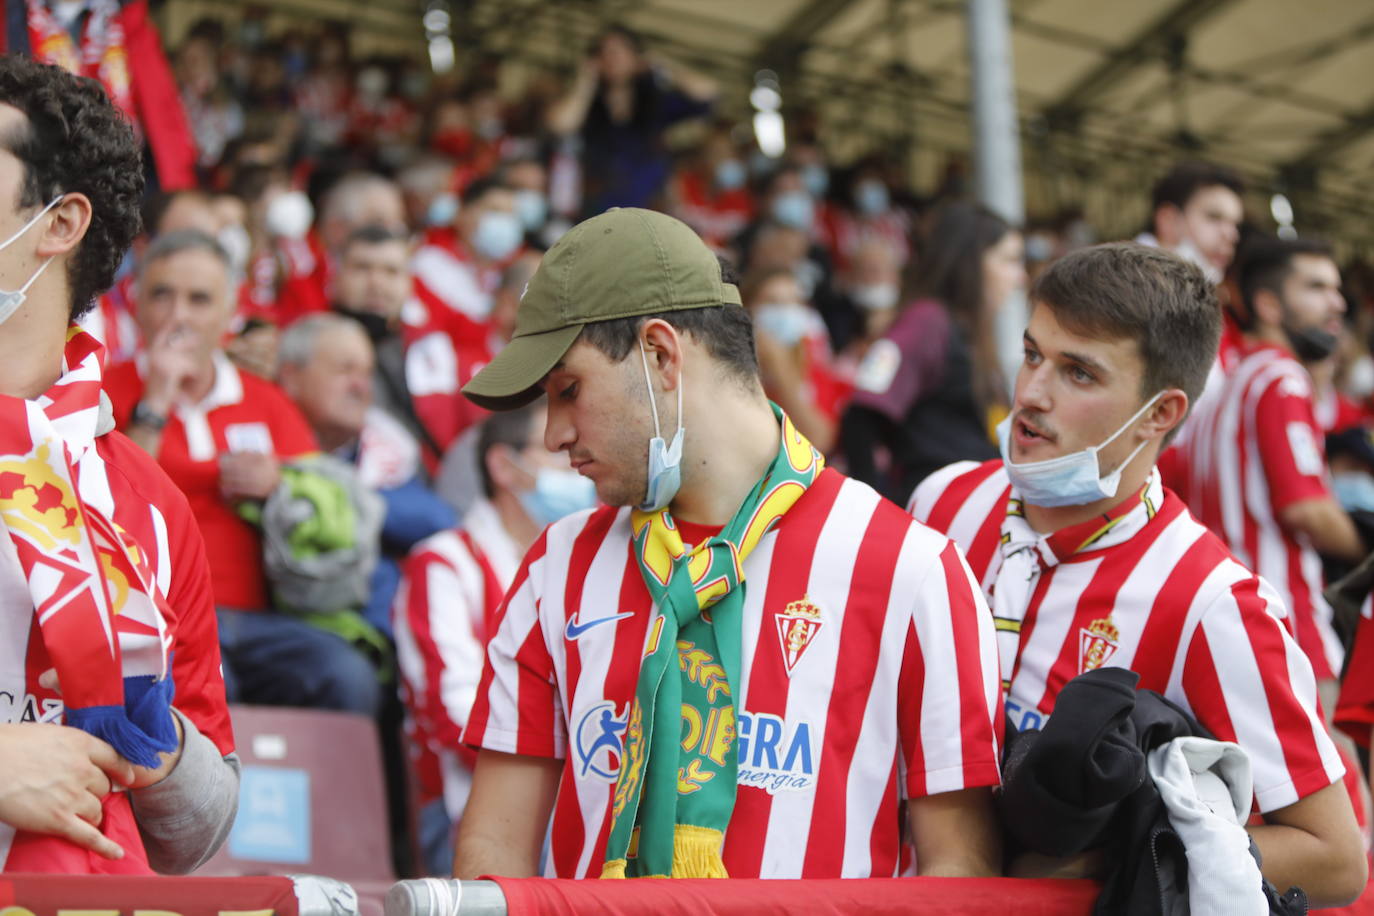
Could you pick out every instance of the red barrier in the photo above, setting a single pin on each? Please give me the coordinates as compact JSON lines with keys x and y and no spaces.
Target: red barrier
{"x":872,"y":897}
{"x":50,"y":895}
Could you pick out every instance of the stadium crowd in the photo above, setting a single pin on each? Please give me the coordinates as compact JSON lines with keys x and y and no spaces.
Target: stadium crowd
{"x":338,"y":486}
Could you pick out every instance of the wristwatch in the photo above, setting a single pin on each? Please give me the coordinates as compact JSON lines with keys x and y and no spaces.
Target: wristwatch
{"x":148,"y":418}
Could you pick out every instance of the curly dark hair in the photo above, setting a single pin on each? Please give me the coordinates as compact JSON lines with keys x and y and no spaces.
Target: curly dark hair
{"x":76,"y":140}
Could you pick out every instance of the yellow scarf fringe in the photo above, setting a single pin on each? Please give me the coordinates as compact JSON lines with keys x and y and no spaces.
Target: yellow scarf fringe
{"x":696,"y":854}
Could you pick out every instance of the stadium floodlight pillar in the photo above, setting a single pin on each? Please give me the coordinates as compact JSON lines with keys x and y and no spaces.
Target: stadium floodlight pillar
{"x":996,"y":130}
{"x":997,"y":148}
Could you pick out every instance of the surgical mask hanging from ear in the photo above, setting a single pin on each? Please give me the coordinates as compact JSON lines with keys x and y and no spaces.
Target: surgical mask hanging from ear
{"x":11,"y":299}
{"x":665,"y":461}
{"x":1069,"y":480}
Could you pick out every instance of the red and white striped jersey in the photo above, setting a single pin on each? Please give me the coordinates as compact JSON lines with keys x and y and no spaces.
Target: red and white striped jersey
{"x":893,"y":696}
{"x":451,"y":585}
{"x":1148,"y":588}
{"x":1252,"y":451}
{"x":443,"y":351}
{"x":1355,"y":708}
{"x":446,"y":276}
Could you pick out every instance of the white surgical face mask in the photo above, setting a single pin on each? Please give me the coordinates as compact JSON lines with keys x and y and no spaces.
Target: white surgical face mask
{"x":876,"y":297}
{"x":1191,"y":253}
{"x":1359,"y":378}
{"x":443,"y":207}
{"x":785,"y":322}
{"x":289,"y":215}
{"x":11,"y":299}
{"x":1069,"y":480}
{"x":1354,"y":490}
{"x":665,"y":461}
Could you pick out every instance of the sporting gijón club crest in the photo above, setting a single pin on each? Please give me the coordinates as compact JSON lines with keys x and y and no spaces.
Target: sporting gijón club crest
{"x":1097,"y":642}
{"x":798,"y":624}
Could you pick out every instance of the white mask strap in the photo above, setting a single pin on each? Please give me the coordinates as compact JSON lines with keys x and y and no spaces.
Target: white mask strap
{"x":1127,"y":425}
{"x":36,"y":274}
{"x":653,"y":404}
{"x":29,"y":225}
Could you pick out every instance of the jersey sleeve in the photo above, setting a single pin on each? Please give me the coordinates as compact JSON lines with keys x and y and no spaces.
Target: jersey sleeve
{"x":950,"y":701}
{"x":437,"y":612}
{"x":1355,"y":708}
{"x":517,"y":705}
{"x":196,"y":659}
{"x":1247,"y":681}
{"x":1289,"y":441}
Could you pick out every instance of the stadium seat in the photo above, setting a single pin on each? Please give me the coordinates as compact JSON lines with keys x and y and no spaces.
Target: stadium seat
{"x":312,"y":799}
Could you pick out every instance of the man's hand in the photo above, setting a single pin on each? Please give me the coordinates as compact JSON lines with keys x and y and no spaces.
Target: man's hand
{"x":248,"y":475}
{"x":256,"y":350}
{"x":172,"y":366}
{"x":55,"y":778}
{"x":142,"y":776}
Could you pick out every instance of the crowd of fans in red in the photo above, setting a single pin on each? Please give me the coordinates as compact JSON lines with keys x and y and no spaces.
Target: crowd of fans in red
{"x":336,"y":246}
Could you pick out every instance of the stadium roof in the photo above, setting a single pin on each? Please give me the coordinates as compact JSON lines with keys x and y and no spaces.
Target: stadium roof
{"x":1109,"y":93}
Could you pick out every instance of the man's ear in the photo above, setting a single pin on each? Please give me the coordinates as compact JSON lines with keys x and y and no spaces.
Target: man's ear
{"x":65,"y":225}
{"x":1169,"y":411}
{"x":1268,"y":308}
{"x":501,"y":469}
{"x":288,"y":379}
{"x":663,"y":348}
{"x":1168,"y":225}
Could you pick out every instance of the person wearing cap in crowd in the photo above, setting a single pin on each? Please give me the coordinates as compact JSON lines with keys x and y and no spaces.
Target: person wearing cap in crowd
{"x":739,"y":638}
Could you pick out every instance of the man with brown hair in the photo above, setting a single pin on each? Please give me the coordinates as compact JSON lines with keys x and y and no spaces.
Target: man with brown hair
{"x":1091,"y":563}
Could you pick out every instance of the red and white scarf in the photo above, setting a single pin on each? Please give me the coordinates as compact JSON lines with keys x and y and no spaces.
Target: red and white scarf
{"x":102,"y":54}
{"x":93,"y":604}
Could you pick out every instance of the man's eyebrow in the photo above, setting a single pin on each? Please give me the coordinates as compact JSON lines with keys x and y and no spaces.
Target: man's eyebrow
{"x":1085,"y":360}
{"x":1081,"y":358}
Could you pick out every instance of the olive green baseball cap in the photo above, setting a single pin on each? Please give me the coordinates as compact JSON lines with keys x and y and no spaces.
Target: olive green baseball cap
{"x":623,"y":263}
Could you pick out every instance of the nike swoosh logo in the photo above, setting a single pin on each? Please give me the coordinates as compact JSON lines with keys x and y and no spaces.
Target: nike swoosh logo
{"x":575,"y":630}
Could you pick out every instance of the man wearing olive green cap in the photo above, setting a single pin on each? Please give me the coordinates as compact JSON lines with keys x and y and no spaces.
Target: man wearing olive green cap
{"x":744,"y":663}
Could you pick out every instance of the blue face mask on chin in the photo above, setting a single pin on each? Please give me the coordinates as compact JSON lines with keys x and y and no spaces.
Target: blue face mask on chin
{"x":1069,"y":480}
{"x":665,"y":461}
{"x":557,"y":493}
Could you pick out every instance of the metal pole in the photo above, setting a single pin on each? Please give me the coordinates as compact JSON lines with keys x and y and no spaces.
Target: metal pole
{"x":997,"y":148}
{"x":996,"y":134}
